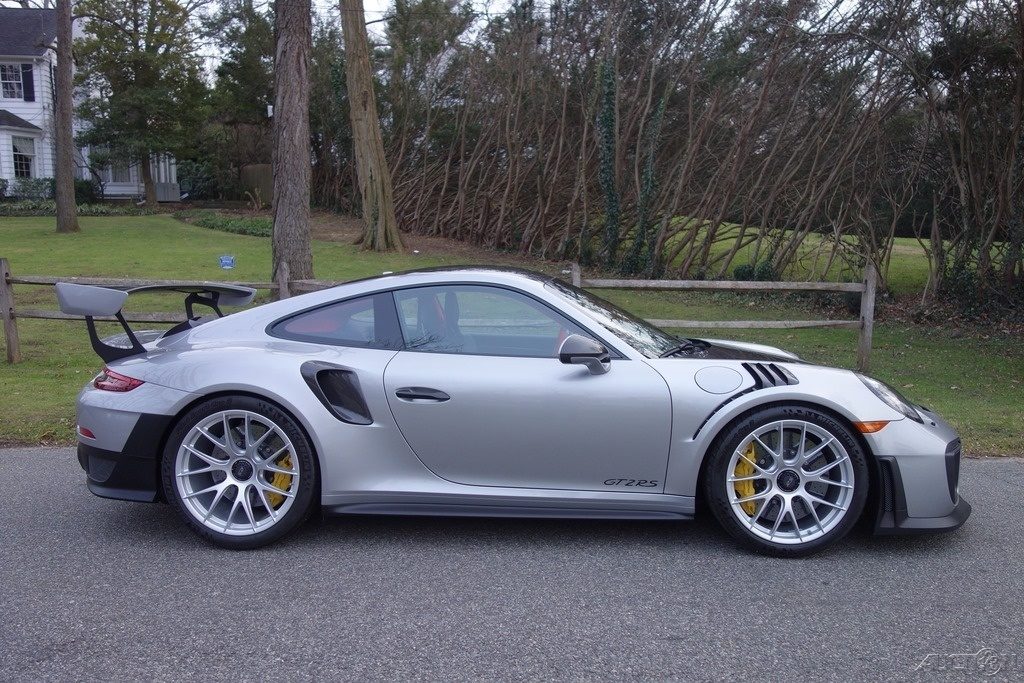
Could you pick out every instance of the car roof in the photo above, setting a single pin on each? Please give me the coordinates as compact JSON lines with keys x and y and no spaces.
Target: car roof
{"x":259,"y":316}
{"x":252,"y":323}
{"x":499,"y":272}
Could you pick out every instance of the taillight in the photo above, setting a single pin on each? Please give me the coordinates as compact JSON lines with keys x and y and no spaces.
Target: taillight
{"x":108,"y":380}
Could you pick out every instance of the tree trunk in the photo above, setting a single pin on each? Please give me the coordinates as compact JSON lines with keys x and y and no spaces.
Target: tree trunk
{"x":381,"y":231}
{"x":147,"y":180}
{"x":64,"y":174}
{"x":292,"y":166}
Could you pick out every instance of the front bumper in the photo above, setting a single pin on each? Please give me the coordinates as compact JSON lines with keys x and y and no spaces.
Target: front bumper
{"x":132,"y":473}
{"x":894,"y":513}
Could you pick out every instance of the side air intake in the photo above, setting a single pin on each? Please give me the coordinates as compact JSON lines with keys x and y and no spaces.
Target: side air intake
{"x":338,"y":389}
{"x":770,"y":375}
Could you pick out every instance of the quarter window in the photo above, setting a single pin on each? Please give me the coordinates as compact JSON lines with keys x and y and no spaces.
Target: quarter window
{"x":24,"y":157}
{"x":481,"y":320}
{"x":10,"y":81}
{"x":368,"y":322}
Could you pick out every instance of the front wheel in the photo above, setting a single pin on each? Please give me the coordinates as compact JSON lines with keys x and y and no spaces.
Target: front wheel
{"x":787,"y":480}
{"x":240,"y":471}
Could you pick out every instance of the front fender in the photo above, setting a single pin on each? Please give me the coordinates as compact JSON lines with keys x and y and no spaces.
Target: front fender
{"x":838,"y":391}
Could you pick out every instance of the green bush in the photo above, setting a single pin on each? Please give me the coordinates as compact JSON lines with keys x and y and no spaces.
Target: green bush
{"x":33,"y":188}
{"x":48,"y":207}
{"x":744,"y":272}
{"x":86,"y":191}
{"x":765,"y":272}
{"x":43,"y":189}
{"x":198,"y":179}
{"x":254,"y":226}
{"x":3,"y":187}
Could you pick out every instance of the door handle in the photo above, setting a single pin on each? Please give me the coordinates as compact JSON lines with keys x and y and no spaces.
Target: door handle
{"x":422,"y":394}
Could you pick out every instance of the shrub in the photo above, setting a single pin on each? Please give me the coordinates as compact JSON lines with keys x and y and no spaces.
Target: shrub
{"x":762,"y":271}
{"x":87,"y":191}
{"x":744,"y":272}
{"x":254,"y":226}
{"x":48,"y":207}
{"x":33,"y":188}
{"x":3,"y":187}
{"x":198,"y":179}
{"x":765,"y":272}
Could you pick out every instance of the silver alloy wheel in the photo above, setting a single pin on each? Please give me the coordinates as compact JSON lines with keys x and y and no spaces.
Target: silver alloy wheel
{"x":790,"y":482}
{"x":237,"y":472}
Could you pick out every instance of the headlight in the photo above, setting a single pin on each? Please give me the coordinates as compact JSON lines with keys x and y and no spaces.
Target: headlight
{"x":890,"y":397}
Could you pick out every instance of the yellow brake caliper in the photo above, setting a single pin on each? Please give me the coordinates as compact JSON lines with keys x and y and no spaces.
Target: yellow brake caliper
{"x":745,"y":489}
{"x":282,"y":481}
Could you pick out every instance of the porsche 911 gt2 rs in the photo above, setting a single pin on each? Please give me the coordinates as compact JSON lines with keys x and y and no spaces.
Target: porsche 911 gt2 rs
{"x":493,"y":392}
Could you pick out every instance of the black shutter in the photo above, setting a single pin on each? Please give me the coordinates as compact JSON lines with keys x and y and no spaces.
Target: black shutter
{"x":28,"y":84}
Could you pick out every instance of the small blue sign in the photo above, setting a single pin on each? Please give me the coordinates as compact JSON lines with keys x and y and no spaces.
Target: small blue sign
{"x":227,"y":261}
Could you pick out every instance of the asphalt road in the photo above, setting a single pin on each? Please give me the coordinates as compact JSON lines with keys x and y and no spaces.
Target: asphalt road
{"x":98,"y":589}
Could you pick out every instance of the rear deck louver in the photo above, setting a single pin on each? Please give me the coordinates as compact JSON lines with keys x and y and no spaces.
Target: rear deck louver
{"x":770,"y":375}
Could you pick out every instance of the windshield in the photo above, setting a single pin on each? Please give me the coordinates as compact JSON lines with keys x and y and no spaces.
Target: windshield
{"x":641,"y":335}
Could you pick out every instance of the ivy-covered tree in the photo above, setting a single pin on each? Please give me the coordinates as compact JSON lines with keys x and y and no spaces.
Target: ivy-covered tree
{"x":141,"y":75}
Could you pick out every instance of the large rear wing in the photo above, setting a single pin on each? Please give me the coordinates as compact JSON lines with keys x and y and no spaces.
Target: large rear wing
{"x":93,"y":302}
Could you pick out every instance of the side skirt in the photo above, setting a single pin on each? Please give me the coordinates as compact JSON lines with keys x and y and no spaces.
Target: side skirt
{"x":645,"y":506}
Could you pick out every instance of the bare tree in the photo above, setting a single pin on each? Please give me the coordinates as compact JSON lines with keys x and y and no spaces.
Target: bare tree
{"x":381,"y":231}
{"x":64,"y":173}
{"x":291,"y":245}
{"x":709,"y":137}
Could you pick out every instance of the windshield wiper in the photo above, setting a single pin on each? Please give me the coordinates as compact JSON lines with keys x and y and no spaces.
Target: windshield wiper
{"x":688,"y":346}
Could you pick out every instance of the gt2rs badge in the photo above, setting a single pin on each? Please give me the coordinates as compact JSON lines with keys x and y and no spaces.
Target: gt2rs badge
{"x":645,"y":483}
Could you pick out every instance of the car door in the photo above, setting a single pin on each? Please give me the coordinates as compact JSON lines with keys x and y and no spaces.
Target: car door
{"x":481,"y":397}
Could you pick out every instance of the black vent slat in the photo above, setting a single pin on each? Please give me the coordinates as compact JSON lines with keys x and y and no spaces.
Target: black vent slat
{"x":770,"y":375}
{"x":782,"y":376}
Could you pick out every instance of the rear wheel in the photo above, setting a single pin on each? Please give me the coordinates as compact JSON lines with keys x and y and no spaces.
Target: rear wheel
{"x":240,"y":471}
{"x":787,"y":480}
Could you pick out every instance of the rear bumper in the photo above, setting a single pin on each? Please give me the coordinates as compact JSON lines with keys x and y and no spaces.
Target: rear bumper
{"x":133,"y":473}
{"x":895,"y":516}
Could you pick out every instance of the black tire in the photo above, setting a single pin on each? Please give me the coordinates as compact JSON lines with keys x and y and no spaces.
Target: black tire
{"x":716,"y":486}
{"x":306,"y":487}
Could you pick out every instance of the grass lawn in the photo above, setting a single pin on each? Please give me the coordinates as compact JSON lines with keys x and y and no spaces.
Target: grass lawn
{"x":974,"y":381}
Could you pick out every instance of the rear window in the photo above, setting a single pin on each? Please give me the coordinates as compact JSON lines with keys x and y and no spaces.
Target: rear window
{"x":369,"y":322}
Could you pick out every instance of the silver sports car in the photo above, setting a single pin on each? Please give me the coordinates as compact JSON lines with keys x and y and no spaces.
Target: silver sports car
{"x":493,"y":392}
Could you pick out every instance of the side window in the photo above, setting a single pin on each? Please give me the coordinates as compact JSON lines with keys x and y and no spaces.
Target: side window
{"x":482,"y":320}
{"x":366,"y":322}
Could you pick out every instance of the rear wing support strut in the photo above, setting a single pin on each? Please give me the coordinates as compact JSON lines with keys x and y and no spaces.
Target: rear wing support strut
{"x":91,"y":302}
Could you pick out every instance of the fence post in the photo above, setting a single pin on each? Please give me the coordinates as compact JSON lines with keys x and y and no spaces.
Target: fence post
{"x":7,"y":313}
{"x":577,"y":279}
{"x":283,"y":277}
{"x":867,"y":317}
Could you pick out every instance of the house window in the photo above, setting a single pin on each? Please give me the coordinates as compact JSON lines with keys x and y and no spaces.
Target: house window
{"x":24,"y":157}
{"x":119,"y":173}
{"x":10,"y":81}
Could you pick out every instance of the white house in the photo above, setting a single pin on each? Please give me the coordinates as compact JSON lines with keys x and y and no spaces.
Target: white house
{"x":27,"y":63}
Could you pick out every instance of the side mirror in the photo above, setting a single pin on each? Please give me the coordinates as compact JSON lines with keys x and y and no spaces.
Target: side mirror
{"x":580,"y":350}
